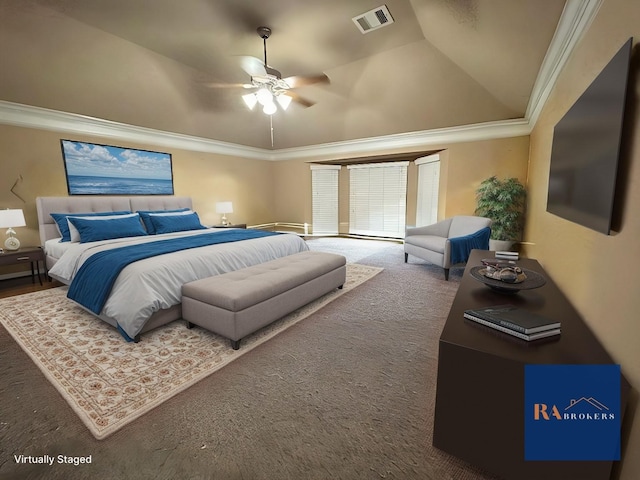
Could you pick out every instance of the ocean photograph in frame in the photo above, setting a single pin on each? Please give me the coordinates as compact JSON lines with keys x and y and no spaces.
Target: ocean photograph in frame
{"x":94,"y":169}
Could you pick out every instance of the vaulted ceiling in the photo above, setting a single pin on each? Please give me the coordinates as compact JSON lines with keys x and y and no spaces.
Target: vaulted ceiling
{"x":148,"y":63}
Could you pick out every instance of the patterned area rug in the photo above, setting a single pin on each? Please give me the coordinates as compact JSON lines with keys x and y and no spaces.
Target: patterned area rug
{"x":109,"y":382}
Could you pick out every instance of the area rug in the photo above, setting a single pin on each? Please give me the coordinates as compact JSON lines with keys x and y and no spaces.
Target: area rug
{"x":109,"y":382}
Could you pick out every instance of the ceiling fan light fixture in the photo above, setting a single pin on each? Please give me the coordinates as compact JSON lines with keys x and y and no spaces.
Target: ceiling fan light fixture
{"x":284,"y":101}
{"x":264,"y":96}
{"x":269,"y":108}
{"x":267,"y":86}
{"x":250,"y":100}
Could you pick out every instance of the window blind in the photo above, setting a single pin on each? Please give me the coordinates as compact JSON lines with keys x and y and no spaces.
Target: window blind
{"x":324,"y":190}
{"x":378,"y":199}
{"x":428,"y":189}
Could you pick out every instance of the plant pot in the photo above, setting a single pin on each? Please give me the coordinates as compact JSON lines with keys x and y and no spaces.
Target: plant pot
{"x":500,"y":245}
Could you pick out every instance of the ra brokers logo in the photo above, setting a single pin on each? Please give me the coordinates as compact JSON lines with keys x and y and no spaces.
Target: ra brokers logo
{"x":586,"y":409}
{"x":572,"y":412}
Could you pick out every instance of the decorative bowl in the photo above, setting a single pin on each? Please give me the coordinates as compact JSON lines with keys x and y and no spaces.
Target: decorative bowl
{"x":527,"y":280}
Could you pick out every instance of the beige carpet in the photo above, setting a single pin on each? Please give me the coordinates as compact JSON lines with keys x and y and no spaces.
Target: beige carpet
{"x":109,"y":382}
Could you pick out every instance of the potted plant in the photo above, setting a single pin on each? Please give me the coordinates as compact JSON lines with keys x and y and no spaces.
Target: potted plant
{"x":503,"y":202}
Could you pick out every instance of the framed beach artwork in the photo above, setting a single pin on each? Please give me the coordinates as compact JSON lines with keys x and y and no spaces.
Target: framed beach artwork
{"x":94,"y":169}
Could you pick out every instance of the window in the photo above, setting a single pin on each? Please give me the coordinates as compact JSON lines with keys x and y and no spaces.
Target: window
{"x":378,"y":199}
{"x":428,"y":188}
{"x":324,"y":190}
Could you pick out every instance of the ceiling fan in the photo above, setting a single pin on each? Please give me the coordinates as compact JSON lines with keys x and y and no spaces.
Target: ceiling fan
{"x":268,"y":85}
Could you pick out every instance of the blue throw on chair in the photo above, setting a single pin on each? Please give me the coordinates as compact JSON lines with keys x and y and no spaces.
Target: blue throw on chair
{"x":461,"y":246}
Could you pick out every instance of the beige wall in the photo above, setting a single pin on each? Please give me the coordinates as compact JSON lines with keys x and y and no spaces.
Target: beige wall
{"x":463,"y":167}
{"x":36,"y":155}
{"x":261,"y":191}
{"x":470,"y":163}
{"x":600,"y":274}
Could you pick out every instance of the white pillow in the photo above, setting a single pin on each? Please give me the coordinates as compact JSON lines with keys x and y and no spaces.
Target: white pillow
{"x":170,"y":214}
{"x":73,"y":231}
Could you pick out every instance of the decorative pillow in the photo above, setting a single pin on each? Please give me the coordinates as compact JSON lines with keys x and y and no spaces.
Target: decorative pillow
{"x":95,"y":229}
{"x":144,"y":215}
{"x":176,"y":223}
{"x":63,"y":225}
{"x":75,"y":234}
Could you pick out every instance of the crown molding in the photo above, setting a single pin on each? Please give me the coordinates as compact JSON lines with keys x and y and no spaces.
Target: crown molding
{"x":574,"y":21}
{"x":20,"y":115}
{"x":411,"y":140}
{"x":45,"y":119}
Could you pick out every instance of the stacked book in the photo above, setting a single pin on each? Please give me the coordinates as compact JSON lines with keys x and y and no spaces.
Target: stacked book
{"x":503,"y":255}
{"x":515,"y":321}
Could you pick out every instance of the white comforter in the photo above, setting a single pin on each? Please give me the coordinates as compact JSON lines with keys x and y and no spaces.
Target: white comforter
{"x":152,"y":284}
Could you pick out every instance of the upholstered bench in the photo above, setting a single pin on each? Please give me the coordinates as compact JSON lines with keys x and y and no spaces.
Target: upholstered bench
{"x":236,"y":304}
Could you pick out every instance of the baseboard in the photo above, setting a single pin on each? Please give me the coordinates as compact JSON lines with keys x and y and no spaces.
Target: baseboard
{"x":359,"y":237}
{"x":366,"y":237}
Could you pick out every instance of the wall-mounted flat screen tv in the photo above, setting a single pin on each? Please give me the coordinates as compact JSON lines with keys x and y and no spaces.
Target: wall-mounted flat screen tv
{"x":586,"y":147}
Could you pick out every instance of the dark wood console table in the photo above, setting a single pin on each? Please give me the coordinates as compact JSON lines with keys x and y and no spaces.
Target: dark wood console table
{"x":479,"y":413}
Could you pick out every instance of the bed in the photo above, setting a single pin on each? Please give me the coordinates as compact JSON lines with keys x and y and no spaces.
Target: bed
{"x":146,"y":294}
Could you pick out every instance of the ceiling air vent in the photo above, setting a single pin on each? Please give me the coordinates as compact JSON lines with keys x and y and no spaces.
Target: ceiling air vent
{"x":373,"y":19}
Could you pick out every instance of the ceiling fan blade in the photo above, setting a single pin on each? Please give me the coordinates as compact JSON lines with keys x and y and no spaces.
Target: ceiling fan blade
{"x":228,"y":85}
{"x":300,"y":81}
{"x":300,"y":100}
{"x":253,"y":66}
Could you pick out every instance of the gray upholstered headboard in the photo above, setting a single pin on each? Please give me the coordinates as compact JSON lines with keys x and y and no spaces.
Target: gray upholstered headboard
{"x":86,"y":204}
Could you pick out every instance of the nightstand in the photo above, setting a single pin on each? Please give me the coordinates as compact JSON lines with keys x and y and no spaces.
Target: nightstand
{"x":33,"y":255}
{"x":234,"y":225}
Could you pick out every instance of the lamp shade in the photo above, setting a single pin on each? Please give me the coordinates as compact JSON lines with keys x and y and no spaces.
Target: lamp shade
{"x":250,"y":99}
{"x":224,"y":207}
{"x":12,"y":218}
{"x":284,"y":101}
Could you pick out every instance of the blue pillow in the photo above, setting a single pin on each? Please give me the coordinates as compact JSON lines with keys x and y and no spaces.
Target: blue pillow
{"x":63,"y":226}
{"x":73,"y":231}
{"x":176,"y":223}
{"x":94,"y":230}
{"x":144,"y":214}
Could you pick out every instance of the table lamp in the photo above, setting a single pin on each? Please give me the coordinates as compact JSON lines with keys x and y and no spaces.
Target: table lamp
{"x":10,"y":218}
{"x":224,"y":208}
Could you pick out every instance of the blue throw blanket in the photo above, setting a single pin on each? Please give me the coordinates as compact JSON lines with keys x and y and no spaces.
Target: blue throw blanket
{"x":95,"y":278}
{"x":461,"y":246}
